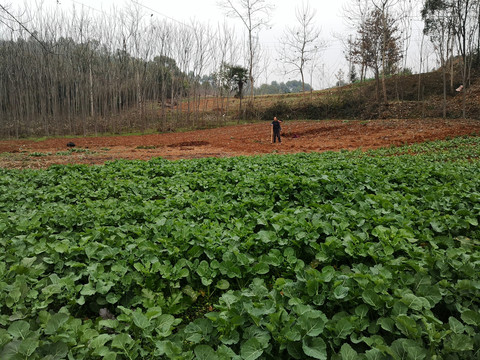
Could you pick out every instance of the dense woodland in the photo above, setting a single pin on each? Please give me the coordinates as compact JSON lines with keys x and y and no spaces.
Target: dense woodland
{"x":82,"y":72}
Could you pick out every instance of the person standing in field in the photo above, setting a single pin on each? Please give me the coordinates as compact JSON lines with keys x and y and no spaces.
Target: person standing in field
{"x":276,"y":128}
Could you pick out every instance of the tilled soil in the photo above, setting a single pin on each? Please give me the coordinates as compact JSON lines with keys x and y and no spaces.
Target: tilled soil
{"x":251,"y":139}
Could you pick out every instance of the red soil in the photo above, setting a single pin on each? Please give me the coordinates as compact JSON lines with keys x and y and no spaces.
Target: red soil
{"x":252,"y":139}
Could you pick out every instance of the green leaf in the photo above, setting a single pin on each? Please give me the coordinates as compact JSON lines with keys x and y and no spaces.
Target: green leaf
{"x":431,"y":293}
{"x":407,"y":326}
{"x":344,"y":328}
{"x":371,"y":298}
{"x":361,"y":310}
{"x":381,"y":232}
{"x":28,"y":346}
{"x":99,"y":341}
{"x":229,"y":298}
{"x":292,"y":333}
{"x":472,"y":221}
{"x":295,"y":350}
{"x":315,"y":347}
{"x":327,"y":274}
{"x":55,"y":323}
{"x":261,"y":268}
{"x":459,"y":342}
{"x":164,"y":323}
{"x":230,"y":269}
{"x":113,"y":298}
{"x":11,"y":351}
{"x":153,"y":313}
{"x":266,"y":236}
{"x":414,"y":302}
{"x":408,"y":349}
{"x":375,"y":354}
{"x":19,"y":329}
{"x":109,"y":355}
{"x":28,"y":262}
{"x":471,"y":317}
{"x":58,"y":350}
{"x":348,"y":353}
{"x":456,"y":326}
{"x":87,"y":290}
{"x":4,"y":337}
{"x":140,"y":319}
{"x":251,"y":349}
{"x":312,"y":326}
{"x":205,"y":352}
{"x":340,"y":292}
{"x":225,"y":353}
{"x":437,"y":226}
{"x":122,"y":341}
{"x":223,"y":285}
{"x":387,"y":324}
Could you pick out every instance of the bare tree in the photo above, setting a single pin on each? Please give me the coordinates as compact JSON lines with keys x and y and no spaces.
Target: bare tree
{"x":387,"y":46}
{"x":107,"y":68}
{"x":406,"y":10}
{"x":466,"y":16}
{"x":254,"y":14}
{"x":224,"y":51}
{"x":10,"y":19}
{"x":437,"y":15}
{"x":301,"y":43}
{"x":376,"y":47}
{"x":356,"y":13}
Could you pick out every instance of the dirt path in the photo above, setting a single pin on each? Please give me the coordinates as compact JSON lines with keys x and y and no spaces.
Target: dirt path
{"x":253,"y":139}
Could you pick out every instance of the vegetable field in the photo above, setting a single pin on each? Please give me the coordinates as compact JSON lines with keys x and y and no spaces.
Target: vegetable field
{"x":347,"y":255}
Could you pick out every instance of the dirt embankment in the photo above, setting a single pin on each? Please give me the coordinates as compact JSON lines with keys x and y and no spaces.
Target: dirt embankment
{"x":252,"y":139}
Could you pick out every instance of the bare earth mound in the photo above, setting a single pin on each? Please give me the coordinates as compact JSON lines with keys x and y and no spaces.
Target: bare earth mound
{"x":252,"y":139}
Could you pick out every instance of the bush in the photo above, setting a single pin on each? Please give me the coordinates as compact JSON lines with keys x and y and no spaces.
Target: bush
{"x":280,"y":109}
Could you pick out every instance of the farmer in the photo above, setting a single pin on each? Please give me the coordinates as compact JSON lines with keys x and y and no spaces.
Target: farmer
{"x":276,"y":130}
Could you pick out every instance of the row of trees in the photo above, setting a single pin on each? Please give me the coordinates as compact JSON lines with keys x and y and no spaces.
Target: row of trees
{"x":275,"y":87}
{"x":83,"y":72}
{"x":453,"y":26}
{"x":383,"y":30}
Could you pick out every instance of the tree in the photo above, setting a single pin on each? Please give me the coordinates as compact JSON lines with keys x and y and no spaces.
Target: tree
{"x":376,"y":47}
{"x":8,"y":18}
{"x":300,"y":44}
{"x":465,"y":13}
{"x":349,"y":55}
{"x":352,"y":73}
{"x":254,"y":14}
{"x":407,"y":8}
{"x":437,"y":15}
{"x":339,"y":76}
{"x":356,"y":12}
{"x":235,"y":77}
{"x":224,"y":50}
{"x":387,"y":22}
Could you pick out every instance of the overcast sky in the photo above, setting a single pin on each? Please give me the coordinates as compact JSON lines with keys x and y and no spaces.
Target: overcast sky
{"x":329,"y":16}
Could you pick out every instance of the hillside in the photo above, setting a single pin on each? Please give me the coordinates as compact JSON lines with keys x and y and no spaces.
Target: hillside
{"x":409,"y":97}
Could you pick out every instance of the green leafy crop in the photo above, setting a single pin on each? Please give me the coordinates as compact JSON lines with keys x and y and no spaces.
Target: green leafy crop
{"x":351,"y":255}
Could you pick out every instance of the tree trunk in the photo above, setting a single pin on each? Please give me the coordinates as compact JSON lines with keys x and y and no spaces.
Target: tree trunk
{"x":444,"y":76}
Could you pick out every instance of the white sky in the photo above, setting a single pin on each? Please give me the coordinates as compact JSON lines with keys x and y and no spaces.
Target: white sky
{"x":329,"y":18}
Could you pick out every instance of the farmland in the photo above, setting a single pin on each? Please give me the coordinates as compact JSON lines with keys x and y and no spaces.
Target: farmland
{"x":334,"y":255}
{"x":243,"y":139}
